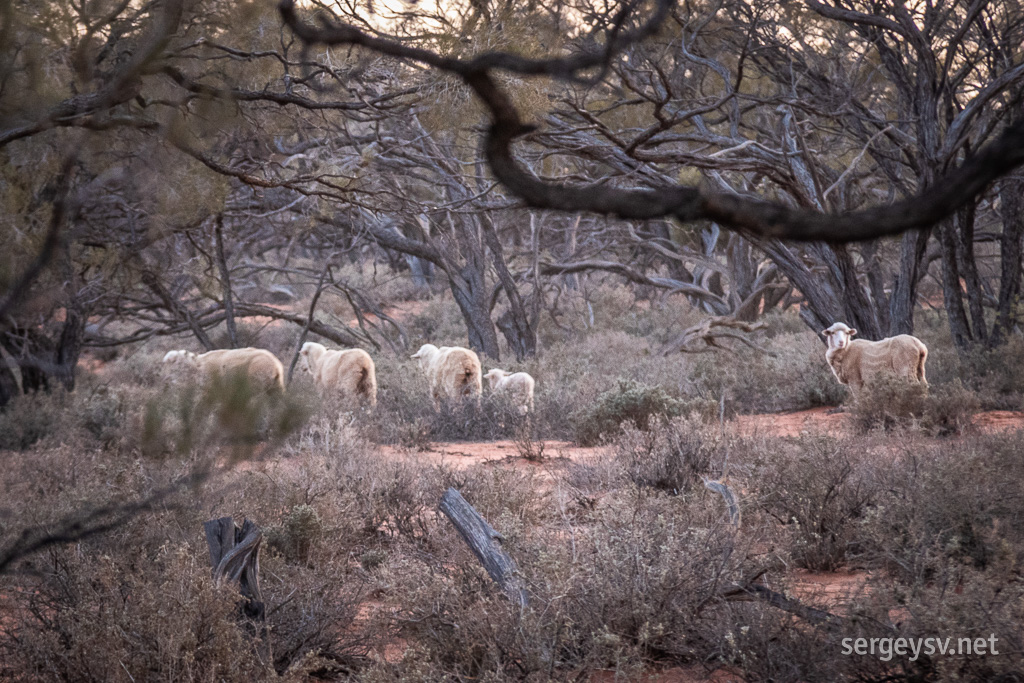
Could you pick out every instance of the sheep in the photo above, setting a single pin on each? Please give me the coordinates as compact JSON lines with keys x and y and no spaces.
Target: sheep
{"x":857,"y":362}
{"x":260,"y":366}
{"x":518,"y":386}
{"x":349,"y":372}
{"x":453,"y":372}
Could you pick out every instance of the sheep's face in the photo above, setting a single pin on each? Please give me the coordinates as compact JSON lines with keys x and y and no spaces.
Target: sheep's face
{"x":304,"y":361}
{"x":838,"y":335}
{"x":174,"y":361}
{"x":424,"y":354}
{"x":494,"y":376}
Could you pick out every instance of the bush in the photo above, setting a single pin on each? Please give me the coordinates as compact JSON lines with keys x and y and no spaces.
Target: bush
{"x":940,"y":411}
{"x":820,"y":489}
{"x":28,"y":419}
{"x":297,"y":533}
{"x":629,"y":401}
{"x":794,"y":377}
{"x":223,"y":411}
{"x":673,"y":455}
{"x":93,"y":414}
{"x":949,"y":505}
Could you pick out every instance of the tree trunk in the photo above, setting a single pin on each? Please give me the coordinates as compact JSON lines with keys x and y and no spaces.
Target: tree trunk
{"x":8,"y":383}
{"x":876,"y":283}
{"x":904,"y":295}
{"x":477,"y":315}
{"x":69,"y":346}
{"x":952,"y":295}
{"x":1008,"y":305}
{"x":859,"y":310}
{"x":514,"y":323}
{"x":235,"y":558}
{"x":964,"y":222}
{"x":225,"y":281}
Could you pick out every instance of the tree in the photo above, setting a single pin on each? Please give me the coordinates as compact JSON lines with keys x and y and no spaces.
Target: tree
{"x":940,"y":194}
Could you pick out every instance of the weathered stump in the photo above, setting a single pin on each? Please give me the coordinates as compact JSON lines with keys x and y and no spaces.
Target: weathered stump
{"x":485,"y":543}
{"x":235,"y":557}
{"x":722,"y":489}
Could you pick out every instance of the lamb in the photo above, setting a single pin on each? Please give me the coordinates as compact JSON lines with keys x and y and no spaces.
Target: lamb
{"x":349,"y":372}
{"x":858,"y":362}
{"x":518,"y":386}
{"x":453,"y":372}
{"x":262,"y":368}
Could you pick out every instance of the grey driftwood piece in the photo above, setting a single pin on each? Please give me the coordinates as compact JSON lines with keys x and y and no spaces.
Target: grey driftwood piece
{"x":235,"y":557}
{"x":722,"y":489}
{"x":485,"y":543}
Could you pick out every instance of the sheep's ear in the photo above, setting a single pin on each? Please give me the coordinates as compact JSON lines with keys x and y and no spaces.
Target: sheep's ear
{"x":853,"y":332}
{"x":826,"y":332}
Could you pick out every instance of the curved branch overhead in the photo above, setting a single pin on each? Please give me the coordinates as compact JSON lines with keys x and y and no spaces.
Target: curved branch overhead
{"x":686,"y":203}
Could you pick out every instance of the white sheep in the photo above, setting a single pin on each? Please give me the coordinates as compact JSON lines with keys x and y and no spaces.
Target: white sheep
{"x":857,"y":362}
{"x":261,"y":367}
{"x":349,"y":372}
{"x":518,"y":386}
{"x":453,"y":372}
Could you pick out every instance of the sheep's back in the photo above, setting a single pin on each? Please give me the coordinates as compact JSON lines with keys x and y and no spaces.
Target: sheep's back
{"x":899,"y":353}
{"x":458,"y":366}
{"x":259,"y":364}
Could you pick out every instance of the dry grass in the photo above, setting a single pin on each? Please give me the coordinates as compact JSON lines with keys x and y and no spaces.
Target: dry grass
{"x":628,"y":559}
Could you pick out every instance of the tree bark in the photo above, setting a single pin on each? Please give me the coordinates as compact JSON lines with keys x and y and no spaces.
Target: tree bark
{"x":485,"y":543}
{"x":515,"y":322}
{"x":225,"y":281}
{"x":69,"y":346}
{"x":235,"y":557}
{"x":477,"y":316}
{"x":904,"y":295}
{"x":1008,"y":305}
{"x":952,"y":295}
{"x":968,"y":266}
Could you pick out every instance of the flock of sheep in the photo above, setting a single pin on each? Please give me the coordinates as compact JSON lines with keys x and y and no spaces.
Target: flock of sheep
{"x":454,"y":372}
{"x":451,"y":371}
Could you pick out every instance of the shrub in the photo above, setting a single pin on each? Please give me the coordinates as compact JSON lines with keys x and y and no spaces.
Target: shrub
{"x":28,"y":419}
{"x":224,"y":411}
{"x":820,"y":488}
{"x":297,"y":533}
{"x":794,"y":377}
{"x":948,"y":505}
{"x":92,"y":413}
{"x":672,"y":456}
{"x":99,"y":618}
{"x":941,"y":411}
{"x":628,"y":401}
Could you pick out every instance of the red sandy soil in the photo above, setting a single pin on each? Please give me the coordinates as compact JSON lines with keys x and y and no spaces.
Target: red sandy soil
{"x":823,"y":421}
{"x":828,"y":590}
{"x":461,"y":455}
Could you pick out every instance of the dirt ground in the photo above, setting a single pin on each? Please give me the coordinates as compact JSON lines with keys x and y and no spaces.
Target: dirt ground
{"x":826,"y":420}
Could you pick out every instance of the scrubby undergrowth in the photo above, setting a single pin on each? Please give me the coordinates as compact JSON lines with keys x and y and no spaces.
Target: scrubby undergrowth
{"x":631,"y":562}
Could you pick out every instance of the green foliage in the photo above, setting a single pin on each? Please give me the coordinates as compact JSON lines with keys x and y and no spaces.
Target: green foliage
{"x":224,"y":410}
{"x":890,"y":403}
{"x":297,"y":534}
{"x":629,"y":401}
